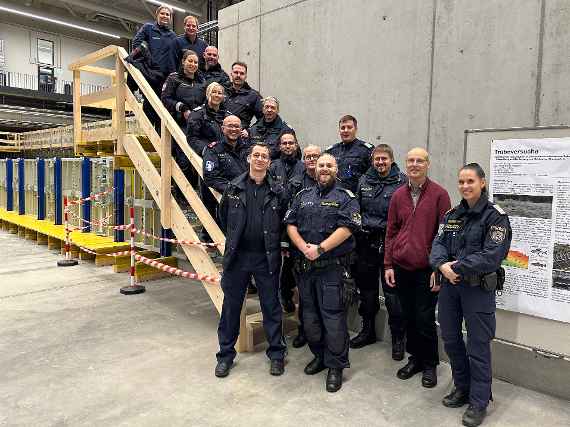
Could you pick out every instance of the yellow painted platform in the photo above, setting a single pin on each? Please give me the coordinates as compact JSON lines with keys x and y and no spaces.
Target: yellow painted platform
{"x":99,"y":244}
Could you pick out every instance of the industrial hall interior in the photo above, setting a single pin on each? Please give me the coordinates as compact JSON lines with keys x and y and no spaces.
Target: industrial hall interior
{"x":284,"y":212}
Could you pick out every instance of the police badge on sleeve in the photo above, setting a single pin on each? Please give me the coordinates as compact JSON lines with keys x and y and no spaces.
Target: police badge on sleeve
{"x":497,"y":233}
{"x":209,"y":165}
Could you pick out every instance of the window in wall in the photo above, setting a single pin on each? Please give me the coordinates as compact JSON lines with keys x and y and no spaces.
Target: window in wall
{"x":45,"y":52}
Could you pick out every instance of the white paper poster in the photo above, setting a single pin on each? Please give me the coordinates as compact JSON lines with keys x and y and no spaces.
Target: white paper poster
{"x":530,"y":180}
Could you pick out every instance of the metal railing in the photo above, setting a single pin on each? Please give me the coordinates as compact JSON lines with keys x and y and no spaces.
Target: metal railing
{"x":31,"y":82}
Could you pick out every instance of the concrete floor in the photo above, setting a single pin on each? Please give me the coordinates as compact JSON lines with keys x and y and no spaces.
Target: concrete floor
{"x":75,"y":352}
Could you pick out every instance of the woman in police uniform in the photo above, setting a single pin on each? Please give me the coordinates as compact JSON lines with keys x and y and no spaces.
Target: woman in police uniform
{"x":471,"y":243}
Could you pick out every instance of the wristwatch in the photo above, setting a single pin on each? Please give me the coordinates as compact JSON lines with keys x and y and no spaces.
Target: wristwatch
{"x":320,"y":250}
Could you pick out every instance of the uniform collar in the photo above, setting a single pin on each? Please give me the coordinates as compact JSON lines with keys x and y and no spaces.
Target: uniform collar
{"x":478,"y":208}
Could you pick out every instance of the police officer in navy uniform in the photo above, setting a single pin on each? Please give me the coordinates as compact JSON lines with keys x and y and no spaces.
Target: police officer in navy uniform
{"x":184,"y":89}
{"x":352,"y":154}
{"x":226,"y":159}
{"x":472,"y":241}
{"x":270,"y":128}
{"x":188,"y":41}
{"x":288,"y":164}
{"x":157,"y":38}
{"x":212,"y":70}
{"x":321,"y":221}
{"x":251,"y":212}
{"x":308,"y":178}
{"x":374,"y":193}
{"x":241,"y":99}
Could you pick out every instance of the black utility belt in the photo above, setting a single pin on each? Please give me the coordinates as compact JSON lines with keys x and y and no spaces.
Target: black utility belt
{"x":493,"y":281}
{"x":304,"y":265}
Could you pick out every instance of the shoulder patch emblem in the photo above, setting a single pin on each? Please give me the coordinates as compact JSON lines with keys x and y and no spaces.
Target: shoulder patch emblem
{"x":350,"y":193}
{"x":356,"y":218}
{"x":197,"y":108}
{"x":209,"y":165}
{"x":368,"y":145}
{"x":440,"y":229}
{"x":329,"y":147}
{"x":497,"y":233}
{"x":499,"y":209}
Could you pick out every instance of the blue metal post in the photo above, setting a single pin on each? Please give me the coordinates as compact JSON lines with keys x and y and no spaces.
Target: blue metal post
{"x":86,"y":192}
{"x":21,"y":189}
{"x":9,"y":185}
{"x":41,"y":189}
{"x":166,"y":247}
{"x":119,"y":205}
{"x":58,"y":189}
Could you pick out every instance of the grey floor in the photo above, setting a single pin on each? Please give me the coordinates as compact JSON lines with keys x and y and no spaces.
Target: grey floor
{"x":73,"y":352}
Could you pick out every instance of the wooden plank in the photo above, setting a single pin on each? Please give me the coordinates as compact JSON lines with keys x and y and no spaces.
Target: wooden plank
{"x":53,"y":243}
{"x":93,"y":57}
{"x":119,"y":111}
{"x":98,"y":70}
{"x":143,"y":165}
{"x":198,"y":206}
{"x":100,"y":98}
{"x":165,"y":176}
{"x":76,"y":108}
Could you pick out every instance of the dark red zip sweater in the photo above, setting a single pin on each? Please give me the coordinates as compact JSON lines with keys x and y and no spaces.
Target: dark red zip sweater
{"x":410,"y":232}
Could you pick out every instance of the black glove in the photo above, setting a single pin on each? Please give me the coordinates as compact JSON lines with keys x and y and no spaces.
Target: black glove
{"x":349,"y":294}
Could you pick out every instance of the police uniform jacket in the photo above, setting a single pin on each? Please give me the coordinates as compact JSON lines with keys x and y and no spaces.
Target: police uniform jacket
{"x":353,"y":160}
{"x":181,"y":93}
{"x":374,"y":194}
{"x":222,"y":162}
{"x":182,"y":43}
{"x":216,"y":74}
{"x":478,"y":238}
{"x":245,"y":103}
{"x":159,"y":40}
{"x":298,"y":182}
{"x":269,"y":133}
{"x":205,"y":126}
{"x":318,"y":212}
{"x":285,"y":168}
{"x":233,"y":218}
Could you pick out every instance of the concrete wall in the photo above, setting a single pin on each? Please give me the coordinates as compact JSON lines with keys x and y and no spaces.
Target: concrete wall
{"x":414,"y":72}
{"x":20,"y":56}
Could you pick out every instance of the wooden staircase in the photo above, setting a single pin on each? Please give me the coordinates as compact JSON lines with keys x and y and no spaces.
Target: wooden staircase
{"x":151,"y":156}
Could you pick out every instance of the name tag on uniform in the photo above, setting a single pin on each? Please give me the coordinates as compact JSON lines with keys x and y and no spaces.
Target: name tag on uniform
{"x":453,"y":225}
{"x":330,"y":203}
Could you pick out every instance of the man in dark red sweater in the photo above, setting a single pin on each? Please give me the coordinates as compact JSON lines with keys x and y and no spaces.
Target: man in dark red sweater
{"x":414,"y":215}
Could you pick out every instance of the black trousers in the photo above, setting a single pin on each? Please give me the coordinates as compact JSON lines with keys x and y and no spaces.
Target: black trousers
{"x":471,"y":364}
{"x":324,"y":315}
{"x":289,"y":282}
{"x":234,"y":284}
{"x":418,"y":304}
{"x":368,"y":272}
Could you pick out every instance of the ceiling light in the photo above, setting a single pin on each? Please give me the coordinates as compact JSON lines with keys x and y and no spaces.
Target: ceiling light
{"x":160,"y":3}
{"x":56,"y":21}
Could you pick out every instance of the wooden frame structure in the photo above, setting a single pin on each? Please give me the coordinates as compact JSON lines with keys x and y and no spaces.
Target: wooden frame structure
{"x":119,"y":99}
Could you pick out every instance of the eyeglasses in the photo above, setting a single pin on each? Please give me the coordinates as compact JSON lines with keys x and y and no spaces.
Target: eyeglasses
{"x":416,"y":161}
{"x":312,"y":157}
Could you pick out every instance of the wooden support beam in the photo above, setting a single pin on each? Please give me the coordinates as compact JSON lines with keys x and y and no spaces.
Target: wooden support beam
{"x":165,"y":176}
{"x":143,"y":120}
{"x":104,"y":98}
{"x":76,"y":108}
{"x":98,"y":70}
{"x":99,"y":134}
{"x":119,"y":112}
{"x":94,"y":57}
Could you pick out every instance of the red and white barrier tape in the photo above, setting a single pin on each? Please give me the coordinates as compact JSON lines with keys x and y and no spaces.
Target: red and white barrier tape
{"x":91,"y":197}
{"x":114,"y":254}
{"x":176,"y":271}
{"x":104,"y":222}
{"x":182,"y":242}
